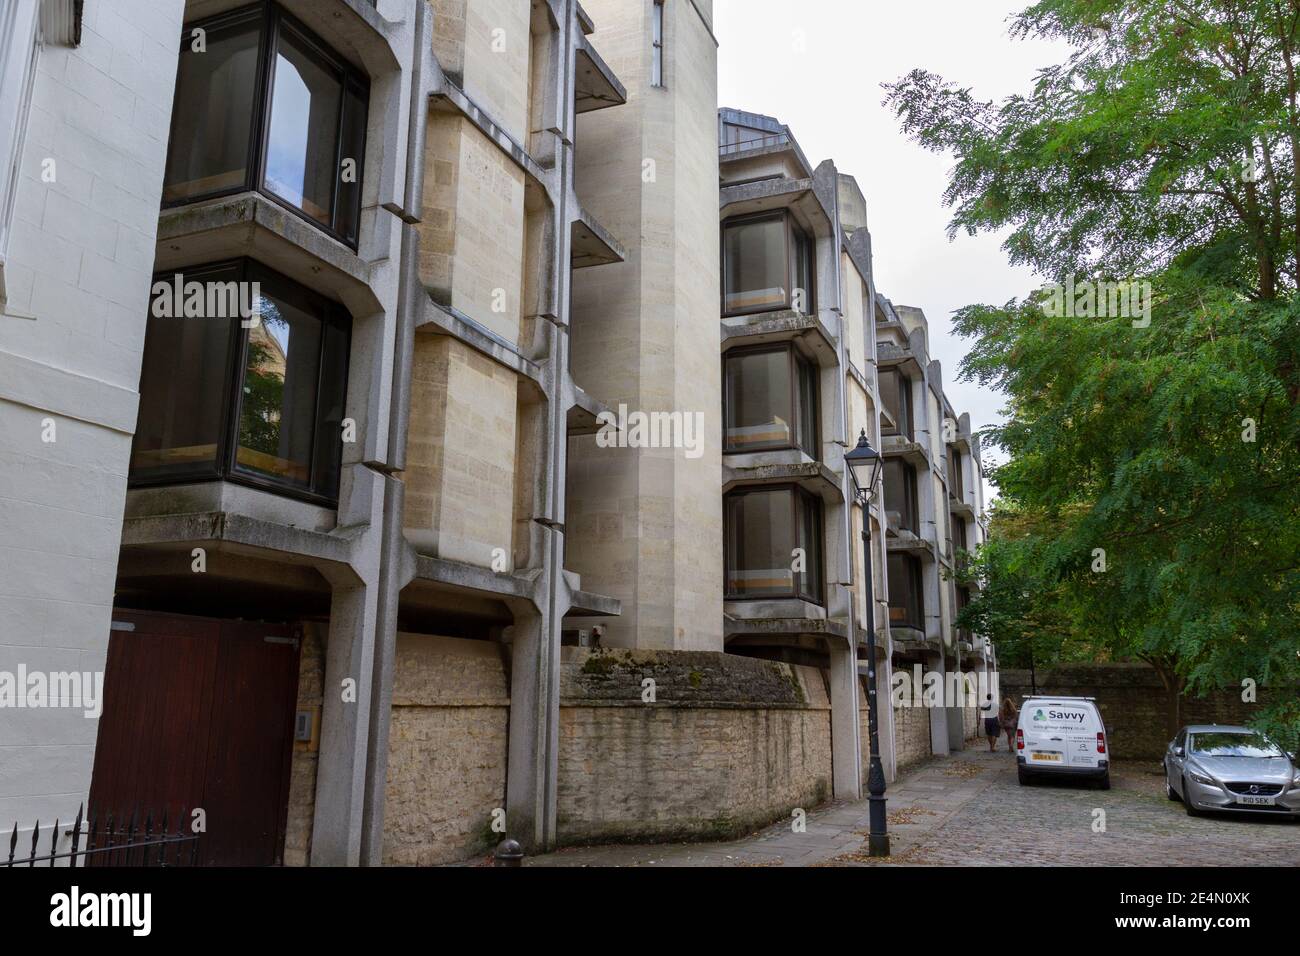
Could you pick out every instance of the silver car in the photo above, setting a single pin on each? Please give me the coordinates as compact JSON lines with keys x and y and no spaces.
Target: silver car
{"x":1210,"y":767}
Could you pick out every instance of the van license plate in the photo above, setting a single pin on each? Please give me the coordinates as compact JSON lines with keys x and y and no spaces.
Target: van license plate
{"x":1256,"y":801}
{"x":1049,"y":758}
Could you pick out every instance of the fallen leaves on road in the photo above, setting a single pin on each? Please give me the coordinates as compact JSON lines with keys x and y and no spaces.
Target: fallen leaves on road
{"x":904,"y":815}
{"x":912,"y":856}
{"x":963,"y":769}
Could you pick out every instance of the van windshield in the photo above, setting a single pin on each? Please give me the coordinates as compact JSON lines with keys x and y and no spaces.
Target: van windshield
{"x":1221,"y":744}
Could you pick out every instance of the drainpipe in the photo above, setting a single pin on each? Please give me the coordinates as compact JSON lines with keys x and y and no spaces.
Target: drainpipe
{"x":394,"y":572}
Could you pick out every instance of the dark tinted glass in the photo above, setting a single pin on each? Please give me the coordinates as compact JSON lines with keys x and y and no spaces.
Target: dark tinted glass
{"x":212,"y":111}
{"x":759,"y":396}
{"x":760,"y":542}
{"x":757,"y":265}
{"x":183,"y":387}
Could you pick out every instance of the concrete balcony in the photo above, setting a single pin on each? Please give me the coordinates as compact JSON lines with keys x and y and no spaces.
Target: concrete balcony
{"x":911,"y":451}
{"x":783,"y":325}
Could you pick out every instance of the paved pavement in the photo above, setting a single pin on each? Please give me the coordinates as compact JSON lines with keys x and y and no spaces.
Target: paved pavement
{"x":968,"y":809}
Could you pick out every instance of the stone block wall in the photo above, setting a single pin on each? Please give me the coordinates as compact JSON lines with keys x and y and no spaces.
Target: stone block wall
{"x":447,"y":750}
{"x":1134,"y":704}
{"x":728,"y":745}
{"x":302,"y":767}
{"x":911,"y":736}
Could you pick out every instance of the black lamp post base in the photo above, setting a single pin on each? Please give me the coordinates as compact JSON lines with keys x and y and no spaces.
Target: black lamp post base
{"x":878,"y":844}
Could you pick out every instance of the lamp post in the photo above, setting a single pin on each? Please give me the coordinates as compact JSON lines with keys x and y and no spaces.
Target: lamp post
{"x":864,"y":468}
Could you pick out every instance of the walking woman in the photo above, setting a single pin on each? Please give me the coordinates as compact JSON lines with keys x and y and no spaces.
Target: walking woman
{"x":1009,"y":717}
{"x":992,"y":729}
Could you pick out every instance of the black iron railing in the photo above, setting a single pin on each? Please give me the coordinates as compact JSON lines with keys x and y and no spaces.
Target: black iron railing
{"x":113,"y":839}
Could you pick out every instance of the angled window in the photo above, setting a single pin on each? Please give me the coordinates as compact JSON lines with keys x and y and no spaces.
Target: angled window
{"x":767,"y":264}
{"x":770,"y":400}
{"x":253,"y":399}
{"x":956,"y":484}
{"x":906,"y":609}
{"x":261,"y":103}
{"x":774,"y":544}
{"x":900,"y":494}
{"x":896,"y":397}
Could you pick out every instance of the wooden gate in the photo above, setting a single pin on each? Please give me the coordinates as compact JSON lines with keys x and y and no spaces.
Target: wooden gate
{"x":198,"y":714}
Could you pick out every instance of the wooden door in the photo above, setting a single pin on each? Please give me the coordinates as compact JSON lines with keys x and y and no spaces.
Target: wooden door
{"x":198,"y":713}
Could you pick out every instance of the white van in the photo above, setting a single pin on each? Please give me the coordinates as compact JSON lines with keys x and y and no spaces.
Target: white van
{"x":1062,"y":736}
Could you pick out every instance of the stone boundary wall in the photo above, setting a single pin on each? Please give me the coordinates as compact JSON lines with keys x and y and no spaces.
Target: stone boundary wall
{"x":1133,"y":703}
{"x":729,"y":745}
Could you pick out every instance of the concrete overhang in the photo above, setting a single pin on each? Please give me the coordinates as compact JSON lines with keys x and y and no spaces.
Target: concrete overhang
{"x":778,"y":144}
{"x":250,"y":224}
{"x":808,"y":626}
{"x":472,"y":581}
{"x":595,"y":85}
{"x":591,"y":604}
{"x":329,"y":553}
{"x":890,"y":355}
{"x":911,"y":640}
{"x":902,"y":541}
{"x":762,"y":328}
{"x":796,"y":195}
{"x":900,"y":446}
{"x":592,"y":243}
{"x":352,"y":28}
{"x":813,"y":476}
{"x":437,"y":319}
{"x":961,"y":508}
{"x":585,"y":23}
{"x":582,"y":415}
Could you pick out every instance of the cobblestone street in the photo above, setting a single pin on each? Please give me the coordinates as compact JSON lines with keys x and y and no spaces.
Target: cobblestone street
{"x":968,"y":810}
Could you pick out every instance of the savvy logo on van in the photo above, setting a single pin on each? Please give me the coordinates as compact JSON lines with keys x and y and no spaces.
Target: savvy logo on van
{"x":1064,"y":715}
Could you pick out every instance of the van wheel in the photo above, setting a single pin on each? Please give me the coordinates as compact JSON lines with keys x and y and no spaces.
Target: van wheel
{"x":1104,"y":782}
{"x":1187,"y":802}
{"x":1023,"y":777}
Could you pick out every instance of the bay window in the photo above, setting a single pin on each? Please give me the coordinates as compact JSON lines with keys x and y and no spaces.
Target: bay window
{"x":770,"y":400}
{"x":906,"y":608}
{"x":900,"y":493}
{"x":767,"y":264}
{"x":262,"y":104}
{"x":256,"y":399}
{"x":896,"y":396}
{"x":773,"y":544}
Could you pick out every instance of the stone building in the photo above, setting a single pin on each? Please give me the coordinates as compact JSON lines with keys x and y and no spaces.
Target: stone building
{"x":327,"y":325}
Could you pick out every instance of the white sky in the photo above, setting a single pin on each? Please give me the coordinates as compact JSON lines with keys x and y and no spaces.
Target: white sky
{"x":817,"y":66}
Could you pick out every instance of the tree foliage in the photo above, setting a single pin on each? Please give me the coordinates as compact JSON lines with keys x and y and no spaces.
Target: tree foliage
{"x":1166,"y":149}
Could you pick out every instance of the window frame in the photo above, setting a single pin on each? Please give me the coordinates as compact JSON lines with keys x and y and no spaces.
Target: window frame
{"x":225,"y":465}
{"x":914,"y":578}
{"x":794,"y":233}
{"x":812,"y":540}
{"x":799,"y":363}
{"x":658,"y":62}
{"x":272,"y":19}
{"x":904,"y":419}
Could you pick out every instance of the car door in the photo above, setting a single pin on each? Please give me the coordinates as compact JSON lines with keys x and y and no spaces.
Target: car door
{"x":1174,"y":759}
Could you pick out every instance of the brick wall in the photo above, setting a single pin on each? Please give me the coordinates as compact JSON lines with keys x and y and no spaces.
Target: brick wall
{"x":1133,"y":702}
{"x":911,"y":736}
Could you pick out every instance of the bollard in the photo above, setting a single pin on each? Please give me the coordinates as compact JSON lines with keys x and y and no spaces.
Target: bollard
{"x":508,"y":853}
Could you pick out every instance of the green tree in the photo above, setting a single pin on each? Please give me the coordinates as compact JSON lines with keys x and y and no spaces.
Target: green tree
{"x":1165,"y":150}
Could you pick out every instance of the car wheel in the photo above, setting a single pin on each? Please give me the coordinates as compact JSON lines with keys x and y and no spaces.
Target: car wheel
{"x":1104,"y":782}
{"x":1170,"y":792}
{"x":1187,"y":801}
{"x":1022,"y":776}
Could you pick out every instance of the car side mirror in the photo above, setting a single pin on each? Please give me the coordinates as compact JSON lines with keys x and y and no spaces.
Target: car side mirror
{"x":1180,"y":752}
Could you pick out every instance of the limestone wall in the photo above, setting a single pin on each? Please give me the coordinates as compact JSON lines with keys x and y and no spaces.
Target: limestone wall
{"x":729,"y":745}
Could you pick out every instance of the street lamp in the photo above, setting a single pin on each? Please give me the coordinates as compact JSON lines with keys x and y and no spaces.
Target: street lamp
{"x":864,"y":468}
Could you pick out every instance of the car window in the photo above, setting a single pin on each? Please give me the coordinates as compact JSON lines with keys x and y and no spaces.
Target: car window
{"x":1228,"y":744}
{"x":1181,"y":739}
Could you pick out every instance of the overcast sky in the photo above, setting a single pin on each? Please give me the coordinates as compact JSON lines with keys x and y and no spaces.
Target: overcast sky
{"x":817,"y":66}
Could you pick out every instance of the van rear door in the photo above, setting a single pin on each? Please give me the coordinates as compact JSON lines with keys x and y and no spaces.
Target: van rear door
{"x":1045,"y":743}
{"x":1082,"y":724}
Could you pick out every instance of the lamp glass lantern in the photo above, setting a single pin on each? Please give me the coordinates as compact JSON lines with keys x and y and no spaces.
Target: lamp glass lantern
{"x":864,"y":466}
